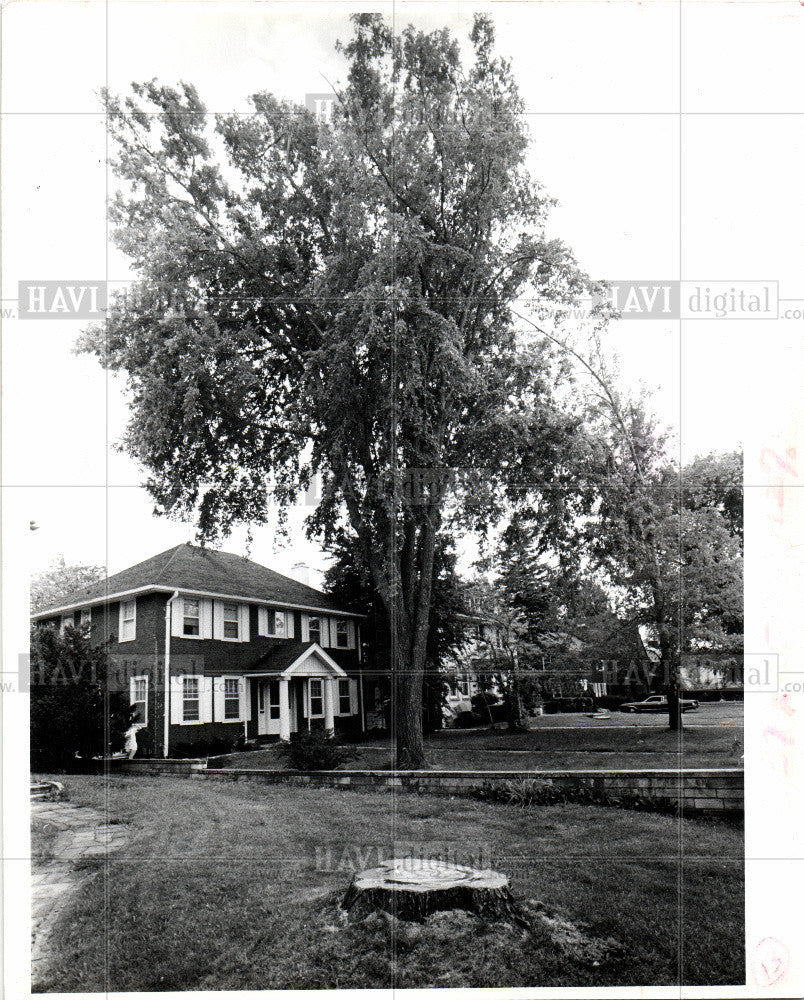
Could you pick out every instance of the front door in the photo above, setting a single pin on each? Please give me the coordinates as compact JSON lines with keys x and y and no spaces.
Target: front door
{"x":268,"y":707}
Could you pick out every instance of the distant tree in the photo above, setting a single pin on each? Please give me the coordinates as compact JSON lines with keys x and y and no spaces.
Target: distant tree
{"x":72,"y":712}
{"x":677,"y":571}
{"x":352,"y":284}
{"x":60,"y":580}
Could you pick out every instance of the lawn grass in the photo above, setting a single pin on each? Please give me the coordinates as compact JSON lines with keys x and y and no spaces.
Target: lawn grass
{"x":235,"y":886}
{"x":634,"y":745}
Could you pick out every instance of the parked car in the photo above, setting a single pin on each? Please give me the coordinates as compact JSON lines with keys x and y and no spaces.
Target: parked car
{"x":657,"y":703}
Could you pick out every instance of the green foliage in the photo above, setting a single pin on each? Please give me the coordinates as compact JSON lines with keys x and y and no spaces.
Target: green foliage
{"x":72,"y":713}
{"x":61,"y":580}
{"x":354,"y":284}
{"x":315,"y":751}
{"x":529,"y":792}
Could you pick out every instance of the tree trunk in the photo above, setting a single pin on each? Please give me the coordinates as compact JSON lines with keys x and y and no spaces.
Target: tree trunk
{"x":413,"y":888}
{"x":408,"y":732}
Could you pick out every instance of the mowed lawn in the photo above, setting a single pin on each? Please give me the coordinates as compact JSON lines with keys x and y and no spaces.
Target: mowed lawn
{"x":235,"y":886}
{"x":712,"y":737}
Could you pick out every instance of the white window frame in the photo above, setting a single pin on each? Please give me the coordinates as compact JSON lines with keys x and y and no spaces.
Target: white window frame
{"x":67,"y":621}
{"x":348,"y":696}
{"x":310,"y":620}
{"x":126,"y":620}
{"x":184,"y":615}
{"x":338,"y":622}
{"x":132,"y":701}
{"x":229,"y":697}
{"x":198,"y":698}
{"x":311,"y":696}
{"x":230,"y":621}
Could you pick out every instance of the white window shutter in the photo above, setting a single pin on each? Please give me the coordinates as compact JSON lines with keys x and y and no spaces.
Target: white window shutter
{"x":353,"y":707}
{"x":119,"y":621}
{"x":350,"y":633}
{"x":177,"y":617}
{"x":262,"y":621}
{"x":131,"y":690}
{"x":245,"y":699}
{"x":325,"y":632}
{"x":218,"y":693}
{"x":217,"y":619}
{"x":289,"y":625}
{"x":206,"y":618}
{"x":205,"y":686}
{"x":305,"y":630}
{"x":245,"y":624}
{"x":176,"y":702}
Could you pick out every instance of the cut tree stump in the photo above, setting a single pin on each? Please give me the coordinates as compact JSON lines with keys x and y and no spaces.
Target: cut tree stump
{"x":413,"y":888}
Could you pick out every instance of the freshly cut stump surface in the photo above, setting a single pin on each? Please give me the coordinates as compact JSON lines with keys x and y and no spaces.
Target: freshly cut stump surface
{"x":413,"y":888}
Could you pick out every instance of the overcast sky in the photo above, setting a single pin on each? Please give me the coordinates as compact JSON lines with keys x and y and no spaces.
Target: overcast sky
{"x":644,"y":193}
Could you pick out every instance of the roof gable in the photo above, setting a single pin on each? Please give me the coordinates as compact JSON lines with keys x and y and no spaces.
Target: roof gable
{"x":193,"y":568}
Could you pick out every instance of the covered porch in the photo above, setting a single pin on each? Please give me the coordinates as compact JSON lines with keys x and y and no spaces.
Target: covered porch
{"x":309,"y":693}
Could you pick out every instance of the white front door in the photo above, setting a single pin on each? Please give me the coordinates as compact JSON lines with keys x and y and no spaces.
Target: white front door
{"x":268,"y":707}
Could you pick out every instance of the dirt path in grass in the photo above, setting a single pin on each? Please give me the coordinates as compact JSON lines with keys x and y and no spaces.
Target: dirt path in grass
{"x":68,"y":834}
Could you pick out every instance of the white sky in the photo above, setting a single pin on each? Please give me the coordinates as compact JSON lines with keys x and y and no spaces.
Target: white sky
{"x":644,"y":193}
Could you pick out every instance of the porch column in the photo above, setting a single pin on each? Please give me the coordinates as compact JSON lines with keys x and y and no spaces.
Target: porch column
{"x":284,"y":709}
{"x":329,"y":704}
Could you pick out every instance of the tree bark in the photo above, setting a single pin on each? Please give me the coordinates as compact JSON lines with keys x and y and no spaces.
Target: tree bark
{"x":412,"y":889}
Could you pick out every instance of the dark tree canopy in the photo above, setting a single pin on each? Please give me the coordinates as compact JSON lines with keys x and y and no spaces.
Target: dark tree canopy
{"x":349,"y":290}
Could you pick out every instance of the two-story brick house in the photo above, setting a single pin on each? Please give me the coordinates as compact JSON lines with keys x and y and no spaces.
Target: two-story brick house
{"x":245,"y":650}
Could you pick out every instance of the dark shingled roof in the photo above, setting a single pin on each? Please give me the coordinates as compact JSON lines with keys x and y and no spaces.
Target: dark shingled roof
{"x":190,"y":567}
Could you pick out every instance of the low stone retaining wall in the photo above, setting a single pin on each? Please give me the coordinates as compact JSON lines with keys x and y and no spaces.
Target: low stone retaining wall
{"x":160,"y":765}
{"x":712,"y":791}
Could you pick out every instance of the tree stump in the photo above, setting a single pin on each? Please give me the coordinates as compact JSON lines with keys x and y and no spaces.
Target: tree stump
{"x":413,"y":888}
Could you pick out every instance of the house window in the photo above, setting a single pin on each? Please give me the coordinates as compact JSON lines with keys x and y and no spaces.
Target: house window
{"x":314,"y":630}
{"x":192,"y":617}
{"x":139,"y":698}
{"x":86,"y":617}
{"x":231,"y":621}
{"x":191,"y":701}
{"x":344,"y":701}
{"x":67,"y":621}
{"x":341,"y":634}
{"x":279,"y":623}
{"x":128,"y":620}
{"x":231,"y":698}
{"x":273,"y":699}
{"x":316,"y":698}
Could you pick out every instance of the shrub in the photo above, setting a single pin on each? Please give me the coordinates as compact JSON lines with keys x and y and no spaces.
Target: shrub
{"x":315,"y":751}
{"x":73,"y":717}
{"x":539,"y":792}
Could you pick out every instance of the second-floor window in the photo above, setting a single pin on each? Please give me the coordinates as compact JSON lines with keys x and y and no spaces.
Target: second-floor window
{"x":86,"y":617}
{"x":315,"y":630}
{"x":192,"y":616}
{"x":67,"y":621}
{"x":341,"y":633}
{"x":128,"y":620}
{"x":231,"y":621}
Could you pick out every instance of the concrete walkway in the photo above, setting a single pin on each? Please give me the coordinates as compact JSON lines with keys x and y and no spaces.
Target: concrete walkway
{"x":81,"y":832}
